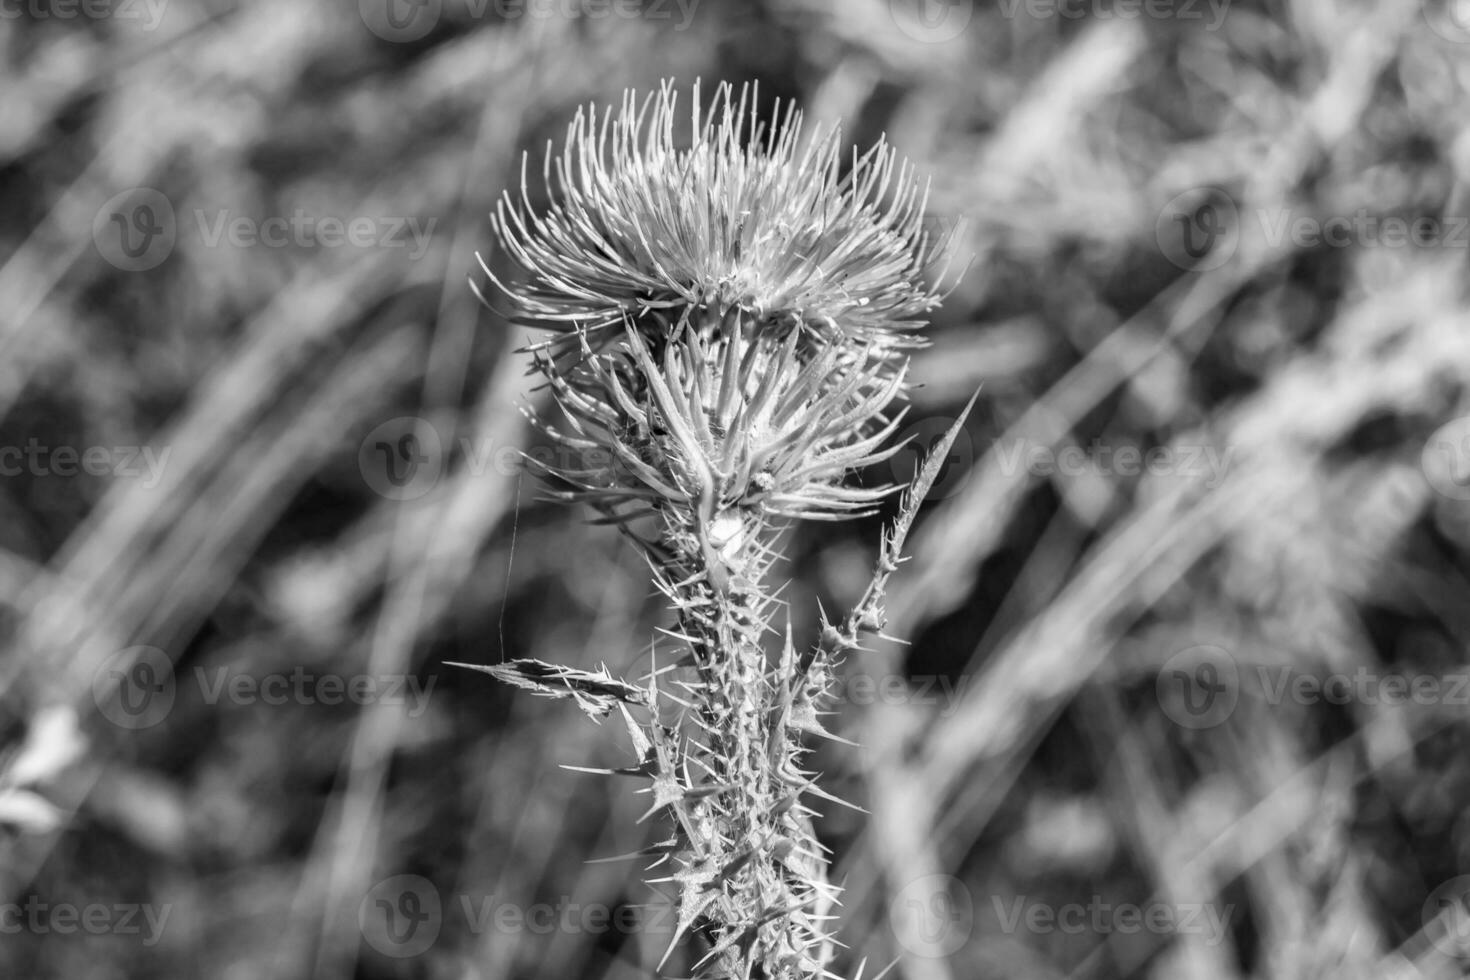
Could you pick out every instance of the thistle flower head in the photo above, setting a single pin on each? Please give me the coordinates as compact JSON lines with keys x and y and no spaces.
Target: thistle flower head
{"x":744,"y":218}
{"x":734,"y":421}
{"x":730,"y":317}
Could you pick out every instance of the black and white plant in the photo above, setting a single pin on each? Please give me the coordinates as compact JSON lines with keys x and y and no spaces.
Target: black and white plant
{"x":731,"y":320}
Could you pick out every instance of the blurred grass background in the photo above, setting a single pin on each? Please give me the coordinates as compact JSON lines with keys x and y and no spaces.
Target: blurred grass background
{"x":1027,"y":750}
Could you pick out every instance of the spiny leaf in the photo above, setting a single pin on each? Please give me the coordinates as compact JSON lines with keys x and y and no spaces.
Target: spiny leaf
{"x":596,"y":692}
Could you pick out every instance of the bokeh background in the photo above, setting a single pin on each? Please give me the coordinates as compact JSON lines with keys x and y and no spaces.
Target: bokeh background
{"x":1208,"y":524}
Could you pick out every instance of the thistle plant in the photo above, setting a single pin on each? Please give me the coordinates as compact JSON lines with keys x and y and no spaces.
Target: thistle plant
{"x":730,"y":327}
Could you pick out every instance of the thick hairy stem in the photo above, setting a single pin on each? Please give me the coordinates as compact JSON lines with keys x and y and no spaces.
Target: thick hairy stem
{"x":755,"y":879}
